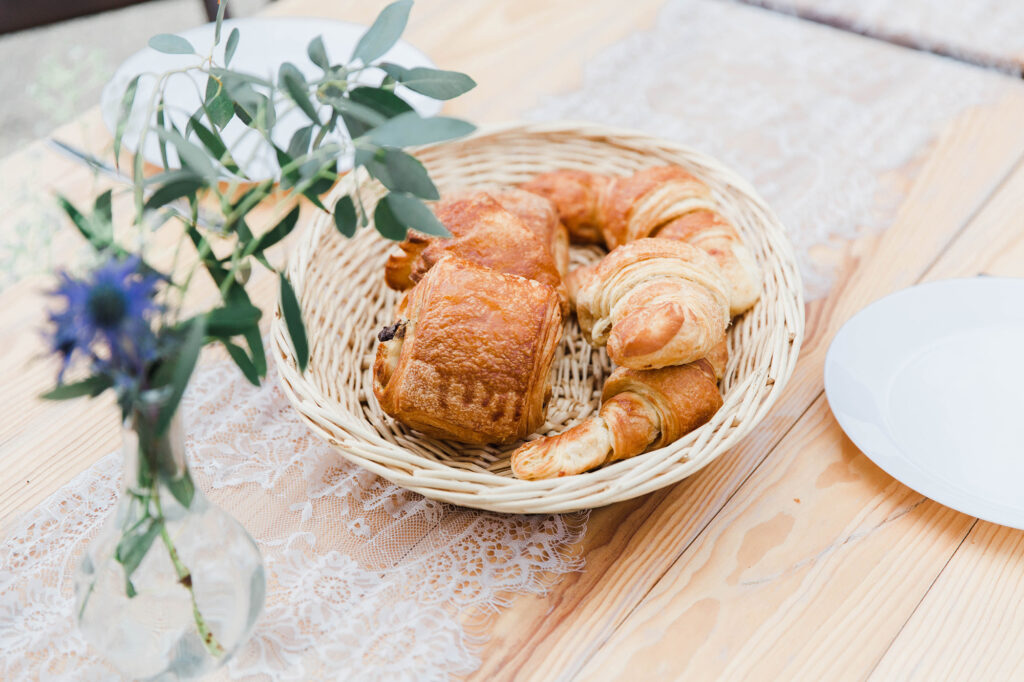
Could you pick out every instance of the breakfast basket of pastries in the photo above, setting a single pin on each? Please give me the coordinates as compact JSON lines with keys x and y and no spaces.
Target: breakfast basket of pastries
{"x":610,"y":314}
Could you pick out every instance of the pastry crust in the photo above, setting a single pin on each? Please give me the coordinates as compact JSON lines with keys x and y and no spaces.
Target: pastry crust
{"x":483,"y":232}
{"x":678,"y":399}
{"x":663,"y":201}
{"x":642,"y":410}
{"x":539,"y":216}
{"x":578,"y":279}
{"x":640,"y":203}
{"x":654,"y":303}
{"x":577,"y":196}
{"x":471,"y":354}
{"x":716,"y":236}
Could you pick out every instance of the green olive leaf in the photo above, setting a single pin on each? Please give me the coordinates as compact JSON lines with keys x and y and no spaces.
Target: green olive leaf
{"x":384,"y":33}
{"x":231,"y":46}
{"x":414,"y":213}
{"x":434,"y":83}
{"x":318,"y":53}
{"x":241,"y":358}
{"x":293,"y":321}
{"x":124,"y":113}
{"x":345,"y":216}
{"x":387,"y":224}
{"x":91,"y":387}
{"x":410,"y":129}
{"x":295,"y":85}
{"x":398,"y":171}
{"x":385,"y":103}
{"x":168,"y":43}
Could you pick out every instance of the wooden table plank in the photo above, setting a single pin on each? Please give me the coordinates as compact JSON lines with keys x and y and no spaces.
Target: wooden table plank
{"x":968,"y":625}
{"x":517,"y":50}
{"x":632,"y":544}
{"x":640,"y":549}
{"x":985,"y":32}
{"x":818,"y":561}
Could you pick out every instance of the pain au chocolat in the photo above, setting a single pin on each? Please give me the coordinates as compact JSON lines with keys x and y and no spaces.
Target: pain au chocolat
{"x":469,"y":354}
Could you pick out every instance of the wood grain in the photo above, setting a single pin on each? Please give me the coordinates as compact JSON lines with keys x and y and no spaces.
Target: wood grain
{"x":967,"y":627}
{"x":792,"y":555}
{"x":775,"y":586}
{"x":636,"y":544}
{"x":517,"y":51}
{"x":815,"y":565}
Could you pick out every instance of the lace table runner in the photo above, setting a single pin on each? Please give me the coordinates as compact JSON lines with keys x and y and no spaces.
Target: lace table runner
{"x":367,"y":581}
{"x":819,"y":120}
{"x":364,"y":579}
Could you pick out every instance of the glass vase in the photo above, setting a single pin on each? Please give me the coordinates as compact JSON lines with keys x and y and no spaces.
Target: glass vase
{"x":171,"y":587}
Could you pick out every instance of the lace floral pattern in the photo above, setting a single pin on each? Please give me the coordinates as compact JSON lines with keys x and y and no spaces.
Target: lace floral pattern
{"x":817,"y":119}
{"x":365,"y":580}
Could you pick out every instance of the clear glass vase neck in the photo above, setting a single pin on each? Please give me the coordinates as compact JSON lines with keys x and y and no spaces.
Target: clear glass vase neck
{"x":150,"y":455}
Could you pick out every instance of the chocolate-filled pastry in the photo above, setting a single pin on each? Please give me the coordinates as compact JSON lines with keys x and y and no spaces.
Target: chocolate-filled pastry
{"x":483,"y":232}
{"x":469,"y":354}
{"x":654,"y":303}
{"x":641,"y":410}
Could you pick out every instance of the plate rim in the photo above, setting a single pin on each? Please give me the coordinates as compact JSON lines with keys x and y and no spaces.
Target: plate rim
{"x":928,"y":485}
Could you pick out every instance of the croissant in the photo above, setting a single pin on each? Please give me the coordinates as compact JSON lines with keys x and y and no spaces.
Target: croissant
{"x":577,"y":196}
{"x":540,"y":217}
{"x":641,"y":410}
{"x":646,"y":204}
{"x":469,"y":355}
{"x":483,"y":232}
{"x":578,"y":279}
{"x":654,"y":303}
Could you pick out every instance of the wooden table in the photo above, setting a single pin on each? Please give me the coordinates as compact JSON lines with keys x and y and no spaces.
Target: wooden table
{"x":791,"y":557}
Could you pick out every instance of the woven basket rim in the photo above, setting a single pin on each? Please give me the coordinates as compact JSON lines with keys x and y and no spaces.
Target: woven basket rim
{"x":756,"y":393}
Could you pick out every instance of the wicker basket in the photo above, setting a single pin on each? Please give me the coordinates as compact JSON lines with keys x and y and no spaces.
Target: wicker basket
{"x":344,"y":301}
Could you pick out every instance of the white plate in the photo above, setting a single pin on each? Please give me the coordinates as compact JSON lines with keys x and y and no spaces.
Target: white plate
{"x":264,"y":44}
{"x":928,"y":383}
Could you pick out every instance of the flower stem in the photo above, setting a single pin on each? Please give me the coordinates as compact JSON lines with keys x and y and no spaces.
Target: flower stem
{"x":85,"y":600}
{"x":185,"y":578}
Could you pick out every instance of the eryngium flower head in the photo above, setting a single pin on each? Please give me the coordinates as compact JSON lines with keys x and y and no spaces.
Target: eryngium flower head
{"x":107,"y":318}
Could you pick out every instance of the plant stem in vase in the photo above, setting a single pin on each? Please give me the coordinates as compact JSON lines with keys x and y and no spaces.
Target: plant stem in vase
{"x":173,"y":584}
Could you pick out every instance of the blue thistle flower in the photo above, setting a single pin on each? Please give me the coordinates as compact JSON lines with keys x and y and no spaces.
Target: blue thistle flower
{"x":107,"y":318}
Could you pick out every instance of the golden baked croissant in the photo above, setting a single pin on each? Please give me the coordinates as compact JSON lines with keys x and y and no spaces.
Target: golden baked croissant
{"x":577,"y":196}
{"x":577,"y":279}
{"x":646,"y":204}
{"x":540,"y":217}
{"x":469,"y":355}
{"x":716,"y":236}
{"x":641,"y":410}
{"x":654,"y":303}
{"x":482,"y":232}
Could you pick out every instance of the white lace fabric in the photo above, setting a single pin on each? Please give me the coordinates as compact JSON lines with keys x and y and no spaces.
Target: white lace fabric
{"x":368,"y":581}
{"x":825,"y":124}
{"x":365,"y":581}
